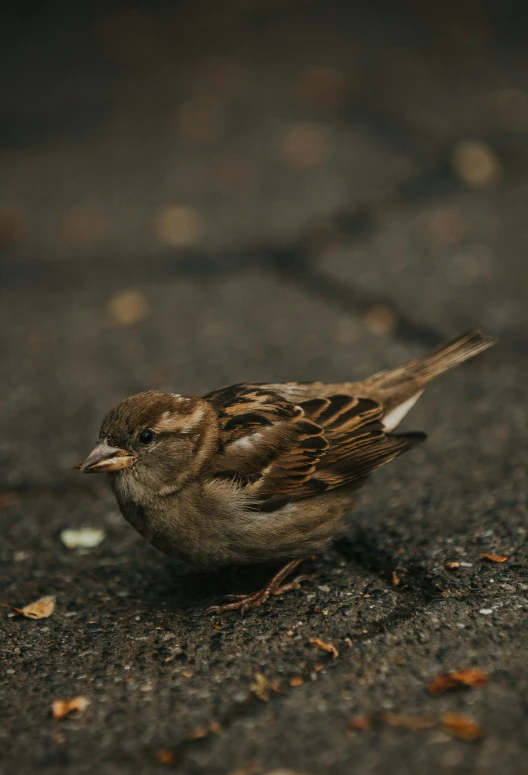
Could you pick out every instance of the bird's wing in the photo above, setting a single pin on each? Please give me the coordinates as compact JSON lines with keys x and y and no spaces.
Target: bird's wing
{"x":281,"y":451}
{"x":358,"y":442}
{"x":266,"y":443}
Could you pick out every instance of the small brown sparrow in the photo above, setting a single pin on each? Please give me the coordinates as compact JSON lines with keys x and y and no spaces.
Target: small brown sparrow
{"x":258,"y":472}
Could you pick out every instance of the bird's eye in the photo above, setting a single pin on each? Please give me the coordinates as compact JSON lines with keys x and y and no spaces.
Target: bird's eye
{"x":146,"y":437}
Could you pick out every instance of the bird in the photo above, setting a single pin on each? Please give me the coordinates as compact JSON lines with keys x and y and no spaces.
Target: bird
{"x":260,"y":472}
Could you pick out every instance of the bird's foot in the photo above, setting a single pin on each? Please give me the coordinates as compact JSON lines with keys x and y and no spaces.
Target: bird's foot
{"x":275,"y":586}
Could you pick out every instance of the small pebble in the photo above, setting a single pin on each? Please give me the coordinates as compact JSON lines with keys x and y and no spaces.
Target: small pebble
{"x":82,"y":538}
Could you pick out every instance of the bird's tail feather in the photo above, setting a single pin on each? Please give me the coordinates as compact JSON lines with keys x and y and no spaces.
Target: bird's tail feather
{"x":447,"y":356}
{"x":398,"y":389}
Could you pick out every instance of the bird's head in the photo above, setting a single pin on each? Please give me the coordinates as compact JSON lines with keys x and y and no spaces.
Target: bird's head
{"x":154,"y":442}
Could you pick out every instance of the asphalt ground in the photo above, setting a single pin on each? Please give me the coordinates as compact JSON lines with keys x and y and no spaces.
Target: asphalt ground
{"x":191,"y":198}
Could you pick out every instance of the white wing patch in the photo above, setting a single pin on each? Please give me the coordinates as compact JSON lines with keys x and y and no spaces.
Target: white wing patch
{"x":396,"y":415}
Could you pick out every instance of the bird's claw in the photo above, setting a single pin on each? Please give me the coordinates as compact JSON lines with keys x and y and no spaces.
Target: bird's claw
{"x":244,"y":603}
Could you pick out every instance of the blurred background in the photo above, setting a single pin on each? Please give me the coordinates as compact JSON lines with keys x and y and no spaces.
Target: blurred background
{"x":198,"y":192}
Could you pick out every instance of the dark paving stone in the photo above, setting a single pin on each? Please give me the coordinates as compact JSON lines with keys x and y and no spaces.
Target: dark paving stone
{"x":454,"y":261}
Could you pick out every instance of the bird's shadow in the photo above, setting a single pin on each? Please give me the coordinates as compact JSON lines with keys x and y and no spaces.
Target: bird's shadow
{"x":178,"y":589}
{"x":166,"y":585}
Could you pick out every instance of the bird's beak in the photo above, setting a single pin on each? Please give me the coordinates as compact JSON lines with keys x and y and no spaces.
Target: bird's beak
{"x":105,"y":458}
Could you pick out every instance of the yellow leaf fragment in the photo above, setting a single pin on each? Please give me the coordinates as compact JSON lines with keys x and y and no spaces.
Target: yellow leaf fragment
{"x":62,"y":708}
{"x":328,"y":647}
{"x":462,"y":727}
{"x":260,"y":687}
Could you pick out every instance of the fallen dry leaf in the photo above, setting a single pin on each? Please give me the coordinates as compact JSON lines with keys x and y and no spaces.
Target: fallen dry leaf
{"x":62,"y":708}
{"x":40,"y":609}
{"x":476,"y":164}
{"x":472,"y":676}
{"x":165,"y":756}
{"x":359,"y":723}
{"x":462,"y":727}
{"x":452,"y":565}
{"x":82,"y":538}
{"x":459,"y":726}
{"x":495,"y":557}
{"x":296,"y":681}
{"x":198,"y":733}
{"x":328,"y":647}
{"x":260,"y":687}
{"x":408,"y":722}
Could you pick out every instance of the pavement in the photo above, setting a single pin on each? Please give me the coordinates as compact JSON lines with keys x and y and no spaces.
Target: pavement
{"x":191,"y":197}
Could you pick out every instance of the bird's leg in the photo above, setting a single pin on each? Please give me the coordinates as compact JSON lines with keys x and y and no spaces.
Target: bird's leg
{"x":274,"y":587}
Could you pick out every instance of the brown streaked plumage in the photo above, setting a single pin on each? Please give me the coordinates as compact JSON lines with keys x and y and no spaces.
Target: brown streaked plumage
{"x":257,"y":472}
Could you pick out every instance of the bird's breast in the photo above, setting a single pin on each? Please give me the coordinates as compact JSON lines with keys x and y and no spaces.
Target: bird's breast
{"x":211,"y":525}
